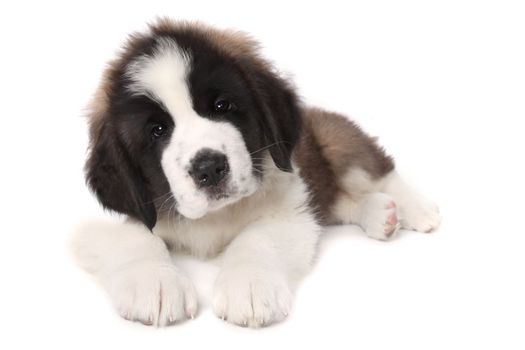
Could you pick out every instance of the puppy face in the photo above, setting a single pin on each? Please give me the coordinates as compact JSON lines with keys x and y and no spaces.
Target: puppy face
{"x":210,"y":135}
{"x":184,"y":119}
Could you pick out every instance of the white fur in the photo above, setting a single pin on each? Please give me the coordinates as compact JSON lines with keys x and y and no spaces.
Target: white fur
{"x":264,"y":231}
{"x":415,"y":211}
{"x":266,"y":241}
{"x":381,"y":207}
{"x":163,"y":77}
{"x":135,"y":268}
{"x":358,"y":183}
{"x":262,"y":264}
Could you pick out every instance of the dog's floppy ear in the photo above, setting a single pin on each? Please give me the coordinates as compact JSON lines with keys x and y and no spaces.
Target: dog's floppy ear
{"x":117,"y":183}
{"x":282,"y":124}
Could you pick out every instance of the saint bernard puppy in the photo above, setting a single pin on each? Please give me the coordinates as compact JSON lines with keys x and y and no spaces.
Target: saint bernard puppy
{"x":207,"y":149}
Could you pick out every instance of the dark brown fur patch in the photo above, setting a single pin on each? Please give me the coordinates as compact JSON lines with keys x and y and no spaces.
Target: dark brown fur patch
{"x":123,"y":168}
{"x":235,"y":44}
{"x":231,"y":42}
{"x":329,"y":146}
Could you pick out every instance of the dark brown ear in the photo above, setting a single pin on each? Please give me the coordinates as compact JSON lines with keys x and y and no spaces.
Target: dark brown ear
{"x":282,"y":124}
{"x":110,"y":174}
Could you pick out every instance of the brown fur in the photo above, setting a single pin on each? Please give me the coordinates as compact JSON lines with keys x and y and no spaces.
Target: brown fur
{"x":235,"y":44}
{"x":329,"y":146}
{"x":231,"y":42}
{"x":126,"y":179}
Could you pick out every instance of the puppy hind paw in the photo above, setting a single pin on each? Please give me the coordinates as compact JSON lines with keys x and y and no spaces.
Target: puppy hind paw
{"x":420,"y":214}
{"x":379,"y":217}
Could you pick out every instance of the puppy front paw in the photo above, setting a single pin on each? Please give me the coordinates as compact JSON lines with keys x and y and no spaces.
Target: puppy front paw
{"x":251,"y":296}
{"x":151,"y":292}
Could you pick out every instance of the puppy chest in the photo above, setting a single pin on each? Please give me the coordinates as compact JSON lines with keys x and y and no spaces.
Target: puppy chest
{"x":199,"y":238}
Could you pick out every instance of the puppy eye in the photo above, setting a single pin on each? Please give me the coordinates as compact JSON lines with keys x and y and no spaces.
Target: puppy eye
{"x":158,"y":130}
{"x":222,"y":106}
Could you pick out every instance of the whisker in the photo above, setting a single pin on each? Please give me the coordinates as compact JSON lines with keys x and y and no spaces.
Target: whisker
{"x":167,"y":199}
{"x":159,"y":197}
{"x":268,"y":146}
{"x":169,"y":216}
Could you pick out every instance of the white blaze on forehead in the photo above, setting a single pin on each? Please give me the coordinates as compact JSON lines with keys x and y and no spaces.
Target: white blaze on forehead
{"x":162,"y":76}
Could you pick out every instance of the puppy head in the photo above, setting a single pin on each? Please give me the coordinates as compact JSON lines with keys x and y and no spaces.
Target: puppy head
{"x":184,"y":119}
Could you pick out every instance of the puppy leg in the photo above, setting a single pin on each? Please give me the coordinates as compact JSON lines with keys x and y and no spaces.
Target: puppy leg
{"x":383,"y":205}
{"x":376,"y":213}
{"x":415,"y":211}
{"x":135,"y":268}
{"x":254,"y":288}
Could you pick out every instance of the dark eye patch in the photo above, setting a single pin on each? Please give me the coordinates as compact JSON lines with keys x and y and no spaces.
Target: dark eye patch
{"x":158,"y":125}
{"x":142,"y":122}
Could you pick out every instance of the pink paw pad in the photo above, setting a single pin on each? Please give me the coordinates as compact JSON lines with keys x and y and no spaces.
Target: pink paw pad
{"x":392,"y":219}
{"x":392,"y":224}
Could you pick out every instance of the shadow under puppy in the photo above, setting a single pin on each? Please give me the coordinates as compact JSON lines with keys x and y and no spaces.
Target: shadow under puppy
{"x":196,"y":138}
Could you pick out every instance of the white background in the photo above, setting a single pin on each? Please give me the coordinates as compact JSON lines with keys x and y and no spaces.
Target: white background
{"x":442,"y":83}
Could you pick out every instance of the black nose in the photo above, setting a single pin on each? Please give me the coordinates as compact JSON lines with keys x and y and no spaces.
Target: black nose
{"x":208,"y":168}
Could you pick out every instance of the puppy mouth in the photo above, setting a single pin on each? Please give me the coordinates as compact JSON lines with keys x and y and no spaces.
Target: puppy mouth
{"x":226,"y":193}
{"x":200,"y":200}
{"x":212,"y":199}
{"x":220,"y":196}
{"x":221,"y":191}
